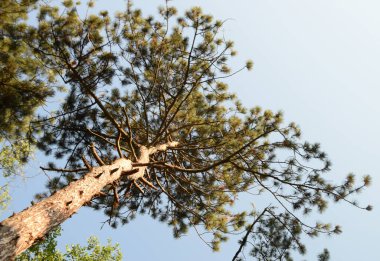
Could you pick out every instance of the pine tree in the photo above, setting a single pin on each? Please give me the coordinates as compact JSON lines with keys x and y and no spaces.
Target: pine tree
{"x":148,"y":126}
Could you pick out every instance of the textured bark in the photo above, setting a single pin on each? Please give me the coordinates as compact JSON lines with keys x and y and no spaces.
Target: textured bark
{"x":21,"y":230}
{"x":144,"y":157}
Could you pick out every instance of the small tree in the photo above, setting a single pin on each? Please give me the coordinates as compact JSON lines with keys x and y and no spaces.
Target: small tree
{"x":148,"y":126}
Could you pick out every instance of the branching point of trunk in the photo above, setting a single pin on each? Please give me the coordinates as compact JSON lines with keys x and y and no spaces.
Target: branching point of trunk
{"x":20,"y":231}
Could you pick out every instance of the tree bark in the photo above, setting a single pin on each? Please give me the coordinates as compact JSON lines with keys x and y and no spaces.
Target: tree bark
{"x":21,"y":230}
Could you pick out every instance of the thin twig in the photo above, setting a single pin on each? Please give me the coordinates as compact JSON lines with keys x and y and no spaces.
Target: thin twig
{"x":138,"y":186}
{"x":144,"y":180}
{"x":63,"y":170}
{"x":118,"y":145}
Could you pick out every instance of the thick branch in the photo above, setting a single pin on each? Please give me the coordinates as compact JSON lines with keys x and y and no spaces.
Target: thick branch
{"x":98,"y":159}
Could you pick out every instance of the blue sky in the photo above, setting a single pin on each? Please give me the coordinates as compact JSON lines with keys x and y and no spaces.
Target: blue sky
{"x":318,"y":61}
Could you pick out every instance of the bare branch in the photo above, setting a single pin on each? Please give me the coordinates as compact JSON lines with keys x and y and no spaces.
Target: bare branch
{"x":98,"y":159}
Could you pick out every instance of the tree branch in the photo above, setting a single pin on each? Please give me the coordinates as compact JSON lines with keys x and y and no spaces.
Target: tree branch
{"x":249,"y":230}
{"x":97,"y":158}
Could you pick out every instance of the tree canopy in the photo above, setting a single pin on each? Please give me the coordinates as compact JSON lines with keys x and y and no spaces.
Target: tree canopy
{"x":23,"y":79}
{"x":25,"y":84}
{"x":152,"y":90}
{"x":46,"y":250}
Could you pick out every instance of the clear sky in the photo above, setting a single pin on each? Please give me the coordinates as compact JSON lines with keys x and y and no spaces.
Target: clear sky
{"x":318,"y":61}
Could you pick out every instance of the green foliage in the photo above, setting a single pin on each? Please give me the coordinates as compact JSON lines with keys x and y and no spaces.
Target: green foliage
{"x":24,"y":85}
{"x":4,"y":197}
{"x":94,"y":252}
{"x":44,"y":250}
{"x":276,"y":236}
{"x":22,"y":78}
{"x":47,"y":251}
{"x":324,"y":256}
{"x":140,"y":81}
{"x":13,"y":156}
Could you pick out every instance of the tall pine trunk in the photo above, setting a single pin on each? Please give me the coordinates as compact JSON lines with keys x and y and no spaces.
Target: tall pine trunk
{"x":21,"y":230}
